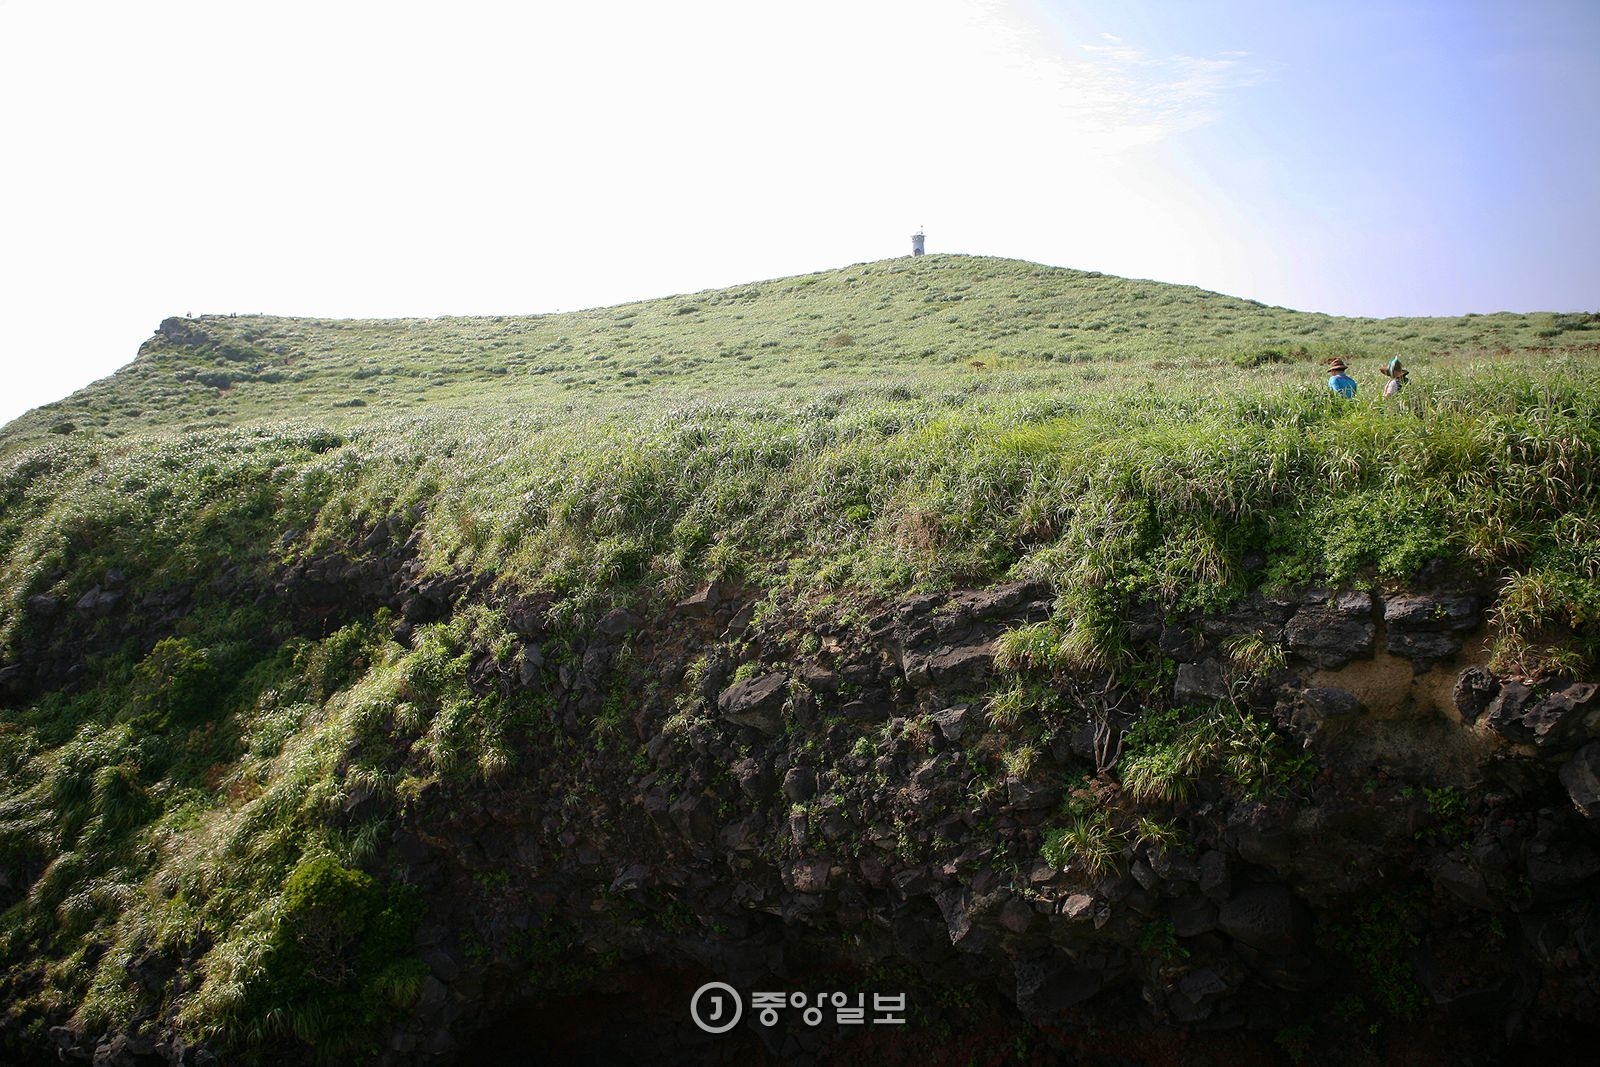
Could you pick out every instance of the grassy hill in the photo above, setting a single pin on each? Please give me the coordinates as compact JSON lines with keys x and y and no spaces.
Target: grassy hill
{"x":909,"y":422}
{"x":925,"y":320}
{"x":177,"y":743}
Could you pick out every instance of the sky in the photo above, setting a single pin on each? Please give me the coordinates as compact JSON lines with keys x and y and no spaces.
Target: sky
{"x":348,"y":159}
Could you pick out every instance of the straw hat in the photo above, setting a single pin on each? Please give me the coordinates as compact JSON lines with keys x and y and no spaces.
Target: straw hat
{"x":1336,"y":366}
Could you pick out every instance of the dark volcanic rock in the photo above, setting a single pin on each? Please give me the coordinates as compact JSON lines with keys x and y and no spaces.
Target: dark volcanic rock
{"x":1192,"y":916}
{"x":1031,"y":597}
{"x":1266,"y":918}
{"x":1554,"y":722}
{"x":1216,"y":880}
{"x":1045,"y":989}
{"x":1423,"y":649}
{"x":1475,"y":690}
{"x":44,"y":606}
{"x":1028,"y":793}
{"x":1353,"y":604}
{"x":618,"y":621}
{"x":12,"y":675}
{"x":1504,"y":713}
{"x":1565,"y":717}
{"x":799,"y":784}
{"x":756,"y":702}
{"x":755,"y":778}
{"x":1581,"y":777}
{"x":529,"y":667}
{"x":1262,"y":836}
{"x":811,"y":876}
{"x":950,"y":664}
{"x":1557,"y":871}
{"x":1463,"y":882}
{"x":1329,"y":638}
{"x":952,"y":721}
{"x":98,"y":603}
{"x":1196,"y":992}
{"x":1200,"y":681}
{"x":1318,"y":708}
{"x":1451,"y":611}
{"x":702,"y":602}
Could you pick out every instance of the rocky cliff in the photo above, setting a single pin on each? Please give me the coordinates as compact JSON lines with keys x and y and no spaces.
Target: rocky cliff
{"x":1313,"y":828}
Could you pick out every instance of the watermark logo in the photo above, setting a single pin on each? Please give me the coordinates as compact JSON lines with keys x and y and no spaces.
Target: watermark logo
{"x":716,"y":1007}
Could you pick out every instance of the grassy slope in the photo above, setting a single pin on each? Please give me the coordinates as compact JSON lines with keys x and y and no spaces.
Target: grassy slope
{"x":781,"y":339}
{"x":827,"y":432}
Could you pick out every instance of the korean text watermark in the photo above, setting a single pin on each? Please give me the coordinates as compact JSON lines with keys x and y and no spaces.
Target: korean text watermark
{"x":717,"y":1008}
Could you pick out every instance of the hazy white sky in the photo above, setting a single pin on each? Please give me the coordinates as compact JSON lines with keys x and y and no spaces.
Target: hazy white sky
{"x":349,"y":158}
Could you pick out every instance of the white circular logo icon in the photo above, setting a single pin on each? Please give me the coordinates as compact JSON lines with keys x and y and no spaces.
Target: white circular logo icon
{"x":721,"y":1010}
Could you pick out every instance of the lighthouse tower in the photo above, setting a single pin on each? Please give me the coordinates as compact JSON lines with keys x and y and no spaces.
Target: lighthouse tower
{"x":916,"y":243}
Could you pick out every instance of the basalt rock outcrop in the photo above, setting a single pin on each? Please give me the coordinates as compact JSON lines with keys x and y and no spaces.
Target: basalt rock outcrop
{"x":815,"y":799}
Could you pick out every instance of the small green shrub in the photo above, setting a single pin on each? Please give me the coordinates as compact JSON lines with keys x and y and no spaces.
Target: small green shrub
{"x":1088,"y":842}
{"x":343,"y":656}
{"x":1160,"y":938}
{"x":1252,"y":656}
{"x":1548,"y":620}
{"x":1154,"y":832}
{"x":1020,"y":761}
{"x":1008,"y":708}
{"x":1447,"y":814}
{"x":1165,"y":753}
{"x":339,"y":958}
{"x":176,"y":680}
{"x":1375,"y":944}
{"x":1035,"y":646}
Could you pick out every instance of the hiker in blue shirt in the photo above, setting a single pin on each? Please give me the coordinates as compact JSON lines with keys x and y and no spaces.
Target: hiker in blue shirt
{"x":1339,"y":381}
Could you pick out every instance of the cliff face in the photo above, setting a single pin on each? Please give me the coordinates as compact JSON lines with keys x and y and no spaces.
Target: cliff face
{"x":1357,"y":844}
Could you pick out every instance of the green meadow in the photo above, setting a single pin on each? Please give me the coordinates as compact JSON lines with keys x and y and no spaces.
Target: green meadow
{"x":934,"y":323}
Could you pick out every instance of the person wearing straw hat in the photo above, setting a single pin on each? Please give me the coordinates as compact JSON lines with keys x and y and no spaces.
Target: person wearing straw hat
{"x":1397,"y":377}
{"x":1340,"y":382}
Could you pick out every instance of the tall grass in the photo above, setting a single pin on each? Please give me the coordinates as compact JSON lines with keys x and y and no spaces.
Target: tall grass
{"x":1133,"y":495}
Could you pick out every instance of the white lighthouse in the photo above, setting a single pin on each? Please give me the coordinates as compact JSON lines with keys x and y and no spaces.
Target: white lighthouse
{"x":916,"y":243}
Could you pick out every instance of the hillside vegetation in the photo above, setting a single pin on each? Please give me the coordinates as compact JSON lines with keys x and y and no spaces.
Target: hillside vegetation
{"x":175,"y":788}
{"x":905,"y":423}
{"x":784,"y":341}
